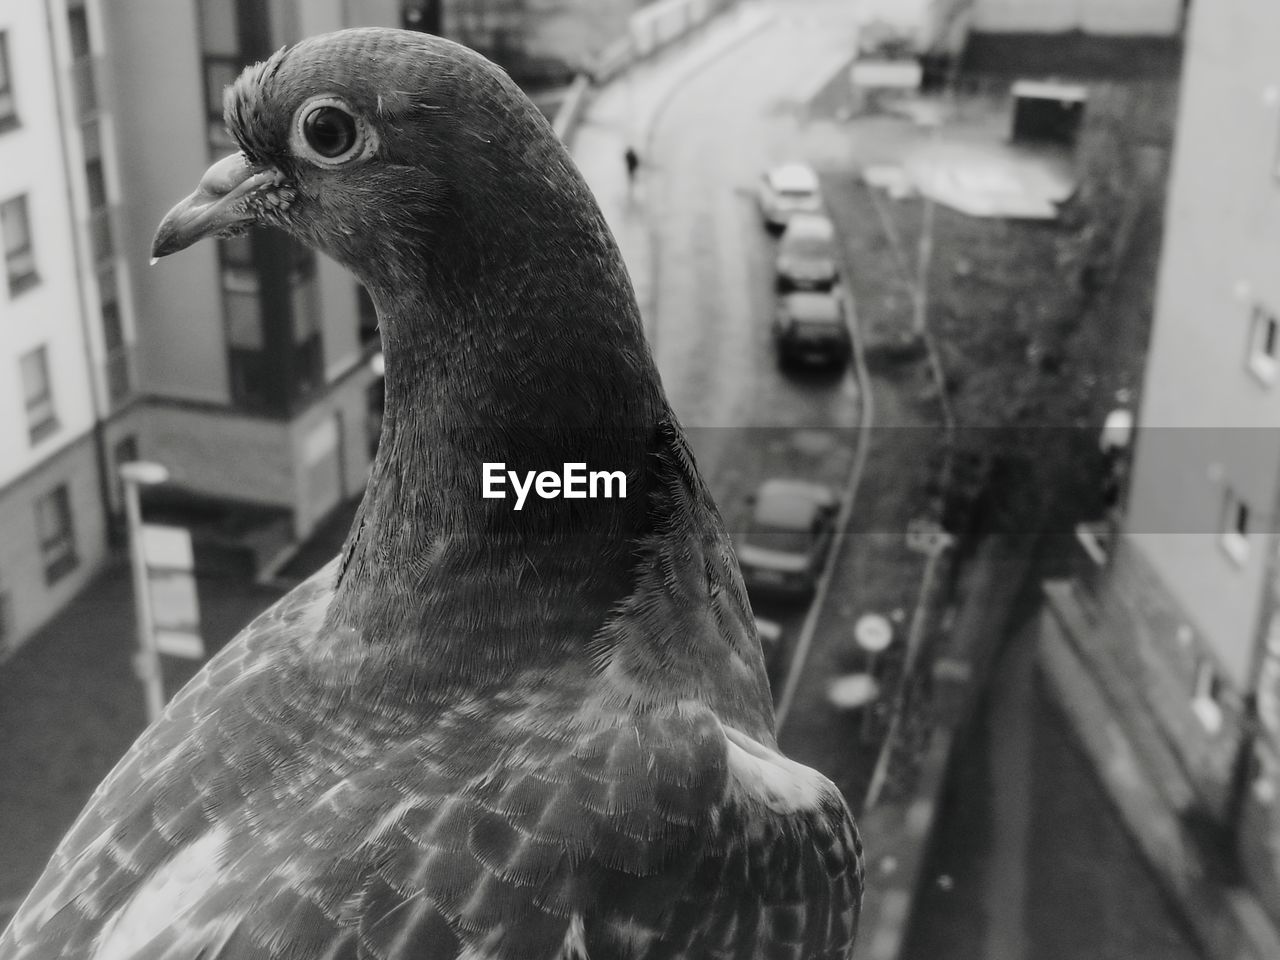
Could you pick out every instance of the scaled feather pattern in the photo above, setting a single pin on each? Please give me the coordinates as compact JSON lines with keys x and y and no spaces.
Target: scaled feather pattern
{"x":478,"y":733}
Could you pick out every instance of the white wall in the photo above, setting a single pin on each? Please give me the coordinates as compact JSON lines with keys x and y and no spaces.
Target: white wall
{"x":1207,"y":423}
{"x":49,"y":313}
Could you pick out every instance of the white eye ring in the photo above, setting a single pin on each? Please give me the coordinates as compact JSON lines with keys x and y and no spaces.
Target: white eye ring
{"x":329,"y":133}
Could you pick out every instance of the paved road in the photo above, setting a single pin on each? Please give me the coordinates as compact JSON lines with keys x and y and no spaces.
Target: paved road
{"x":713,"y":296}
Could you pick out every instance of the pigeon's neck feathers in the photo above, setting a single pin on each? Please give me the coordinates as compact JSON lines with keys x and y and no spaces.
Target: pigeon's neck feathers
{"x":511,"y":336}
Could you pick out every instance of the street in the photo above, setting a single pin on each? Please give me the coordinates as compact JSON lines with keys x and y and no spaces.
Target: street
{"x":714,"y":296}
{"x":708,"y":295}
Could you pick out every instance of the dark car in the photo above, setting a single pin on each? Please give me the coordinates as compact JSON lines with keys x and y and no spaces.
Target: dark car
{"x":810,"y":328}
{"x":806,"y":254}
{"x":790,"y":530}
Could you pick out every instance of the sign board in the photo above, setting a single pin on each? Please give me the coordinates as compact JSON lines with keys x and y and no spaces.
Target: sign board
{"x":171,"y":586}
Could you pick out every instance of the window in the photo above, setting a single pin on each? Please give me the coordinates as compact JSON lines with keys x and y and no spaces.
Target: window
{"x":1235,"y":528}
{"x":218,"y":27}
{"x":241,"y":294}
{"x":19,"y":258}
{"x":78,"y":27}
{"x":308,"y":354}
{"x":84,"y":85}
{"x":119,"y":378}
{"x":218,"y":73}
{"x":96,"y":179}
{"x":1264,"y":339}
{"x":42,"y":418}
{"x":8,"y":110}
{"x":56,"y":534}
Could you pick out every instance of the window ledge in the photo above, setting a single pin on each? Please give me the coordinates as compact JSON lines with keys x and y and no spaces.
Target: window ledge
{"x":45,"y":428}
{"x":1263,"y":368}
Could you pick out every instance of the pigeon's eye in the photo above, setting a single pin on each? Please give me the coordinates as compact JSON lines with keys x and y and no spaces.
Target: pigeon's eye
{"x":329,"y":133}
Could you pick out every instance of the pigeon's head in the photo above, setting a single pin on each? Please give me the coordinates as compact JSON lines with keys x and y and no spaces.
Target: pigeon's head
{"x":364,"y":143}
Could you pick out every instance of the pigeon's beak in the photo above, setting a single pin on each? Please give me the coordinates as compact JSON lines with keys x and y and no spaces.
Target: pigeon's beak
{"x":229,"y":196}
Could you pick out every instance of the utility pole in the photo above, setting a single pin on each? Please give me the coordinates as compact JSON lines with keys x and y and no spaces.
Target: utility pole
{"x":135,"y":474}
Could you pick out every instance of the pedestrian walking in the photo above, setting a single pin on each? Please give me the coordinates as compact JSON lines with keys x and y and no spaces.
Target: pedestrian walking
{"x":632,"y":160}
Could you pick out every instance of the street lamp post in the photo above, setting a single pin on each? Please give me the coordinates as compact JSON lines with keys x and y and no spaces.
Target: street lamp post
{"x":135,"y":474}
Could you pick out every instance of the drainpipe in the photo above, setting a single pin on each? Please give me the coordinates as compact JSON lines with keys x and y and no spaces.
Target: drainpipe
{"x":77,"y":235}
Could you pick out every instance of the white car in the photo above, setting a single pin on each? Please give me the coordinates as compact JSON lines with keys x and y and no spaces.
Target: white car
{"x":790,"y":188}
{"x":787,"y":538}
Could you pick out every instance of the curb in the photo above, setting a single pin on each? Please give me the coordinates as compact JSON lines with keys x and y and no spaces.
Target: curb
{"x":848,"y":496}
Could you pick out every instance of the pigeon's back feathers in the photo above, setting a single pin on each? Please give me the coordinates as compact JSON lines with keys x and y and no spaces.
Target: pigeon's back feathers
{"x":480,"y":732}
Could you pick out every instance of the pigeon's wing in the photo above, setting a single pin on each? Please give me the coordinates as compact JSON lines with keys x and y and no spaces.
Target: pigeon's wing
{"x":662,"y":837}
{"x":170,"y":805}
{"x":656,"y":837}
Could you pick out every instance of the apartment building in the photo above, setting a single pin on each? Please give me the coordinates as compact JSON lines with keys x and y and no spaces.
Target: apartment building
{"x":1185,"y":611}
{"x":248,"y":367}
{"x":256,"y":387}
{"x":66,"y":314}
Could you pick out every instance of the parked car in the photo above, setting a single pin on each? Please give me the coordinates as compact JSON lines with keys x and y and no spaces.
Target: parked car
{"x":807,"y":254}
{"x":788,"y":189}
{"x":810,"y":327}
{"x":791,"y":528}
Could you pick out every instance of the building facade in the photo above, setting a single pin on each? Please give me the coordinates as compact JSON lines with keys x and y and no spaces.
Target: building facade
{"x":254,"y":373}
{"x":1184,"y":610}
{"x":246,"y":366}
{"x":66,"y":312}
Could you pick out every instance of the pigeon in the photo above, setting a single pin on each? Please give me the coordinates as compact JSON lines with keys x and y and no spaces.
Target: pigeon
{"x":541,"y":733}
